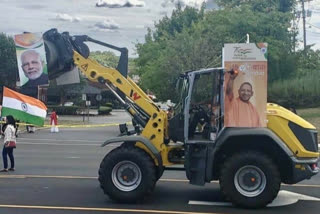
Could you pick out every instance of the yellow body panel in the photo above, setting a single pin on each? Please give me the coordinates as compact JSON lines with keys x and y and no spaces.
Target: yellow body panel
{"x":274,"y":109}
{"x":278,"y":119}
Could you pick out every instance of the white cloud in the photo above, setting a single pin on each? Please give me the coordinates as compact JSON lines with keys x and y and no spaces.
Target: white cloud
{"x":67,"y":17}
{"x":163,"y":13}
{"x":120,"y":3}
{"x":106,"y":25}
{"x":140,"y":26}
{"x":16,"y":17}
{"x":315,"y":5}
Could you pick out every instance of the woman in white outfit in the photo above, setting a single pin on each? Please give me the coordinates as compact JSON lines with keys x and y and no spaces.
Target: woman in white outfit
{"x":9,"y":130}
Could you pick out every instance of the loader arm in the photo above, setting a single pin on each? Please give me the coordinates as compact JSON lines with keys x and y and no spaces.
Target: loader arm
{"x":152,"y":120}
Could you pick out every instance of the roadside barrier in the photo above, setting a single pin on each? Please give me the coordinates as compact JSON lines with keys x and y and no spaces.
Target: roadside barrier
{"x":72,"y":125}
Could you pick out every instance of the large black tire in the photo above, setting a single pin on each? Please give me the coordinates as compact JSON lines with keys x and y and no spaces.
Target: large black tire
{"x":249,"y":179}
{"x":127,"y":174}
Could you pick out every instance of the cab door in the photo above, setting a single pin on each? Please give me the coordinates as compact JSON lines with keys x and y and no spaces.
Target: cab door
{"x":204,"y":107}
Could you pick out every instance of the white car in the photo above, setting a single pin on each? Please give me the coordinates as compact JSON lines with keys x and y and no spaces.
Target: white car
{"x":68,"y":104}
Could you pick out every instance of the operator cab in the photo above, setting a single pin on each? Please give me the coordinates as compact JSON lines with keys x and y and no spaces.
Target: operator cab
{"x":205,"y":106}
{"x":197,"y":116}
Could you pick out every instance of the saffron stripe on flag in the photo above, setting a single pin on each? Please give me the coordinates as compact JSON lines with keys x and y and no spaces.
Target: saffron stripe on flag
{"x":28,"y":108}
{"x":23,"y":116}
{"x":23,"y":98}
{"x":23,"y":108}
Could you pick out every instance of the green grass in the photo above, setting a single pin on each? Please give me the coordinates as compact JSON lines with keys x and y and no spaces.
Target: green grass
{"x":312,"y":115}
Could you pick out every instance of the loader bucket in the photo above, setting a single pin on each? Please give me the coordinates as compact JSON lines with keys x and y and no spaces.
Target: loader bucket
{"x":59,"y":51}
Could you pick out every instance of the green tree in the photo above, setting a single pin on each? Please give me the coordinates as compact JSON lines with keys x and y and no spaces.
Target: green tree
{"x":105,"y":58}
{"x":260,"y":5}
{"x":168,"y":50}
{"x":308,"y":62}
{"x":8,"y":60}
{"x":109,"y":59}
{"x":198,"y":45}
{"x":179,"y":20}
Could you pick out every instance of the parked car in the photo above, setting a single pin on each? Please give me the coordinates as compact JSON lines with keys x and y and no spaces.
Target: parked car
{"x":68,"y":104}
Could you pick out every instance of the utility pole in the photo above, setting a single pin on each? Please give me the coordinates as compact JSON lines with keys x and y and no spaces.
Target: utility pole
{"x":294,"y":30}
{"x":304,"y":16}
{"x":304,"y":26}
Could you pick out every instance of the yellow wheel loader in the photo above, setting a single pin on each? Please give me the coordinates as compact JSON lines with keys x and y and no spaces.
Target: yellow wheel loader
{"x":250,"y":163}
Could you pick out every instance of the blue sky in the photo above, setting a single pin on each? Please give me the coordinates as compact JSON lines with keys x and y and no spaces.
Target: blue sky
{"x":120,"y":22}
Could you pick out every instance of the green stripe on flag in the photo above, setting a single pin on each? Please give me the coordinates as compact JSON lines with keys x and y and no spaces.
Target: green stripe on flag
{"x":22,"y":116}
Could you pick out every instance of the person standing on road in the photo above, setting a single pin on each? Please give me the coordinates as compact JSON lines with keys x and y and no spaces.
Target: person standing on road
{"x":17,"y":127}
{"x":30,"y":128}
{"x":54,"y":121}
{"x":9,"y":143}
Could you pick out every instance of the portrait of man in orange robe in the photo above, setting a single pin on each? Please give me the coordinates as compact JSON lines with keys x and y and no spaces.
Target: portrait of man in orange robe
{"x":240,"y":112}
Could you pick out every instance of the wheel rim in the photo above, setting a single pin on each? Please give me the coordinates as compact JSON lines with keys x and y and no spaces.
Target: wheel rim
{"x":126,"y":176}
{"x":250,"y":181}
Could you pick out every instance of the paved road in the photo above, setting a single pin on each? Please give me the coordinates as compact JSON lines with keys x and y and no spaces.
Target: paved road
{"x":57,"y":173}
{"x":116,"y":116}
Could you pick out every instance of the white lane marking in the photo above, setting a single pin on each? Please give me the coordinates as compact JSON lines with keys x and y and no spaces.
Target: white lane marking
{"x":58,"y":144}
{"x":72,"y":157}
{"x":67,"y":144}
{"x":284,"y":198}
{"x":209,"y":203}
{"x":62,"y":140}
{"x":111,"y":210}
{"x":47,"y":176}
{"x":299,"y":196}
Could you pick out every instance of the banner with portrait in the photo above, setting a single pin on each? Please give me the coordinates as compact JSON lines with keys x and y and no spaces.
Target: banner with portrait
{"x":245,"y":85}
{"x":31,"y":60}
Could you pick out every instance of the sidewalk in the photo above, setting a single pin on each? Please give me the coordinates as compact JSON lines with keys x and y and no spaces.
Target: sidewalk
{"x":116,"y":116}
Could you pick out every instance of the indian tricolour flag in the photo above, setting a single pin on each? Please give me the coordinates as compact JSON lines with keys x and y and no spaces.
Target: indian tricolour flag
{"x":22,"y":107}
